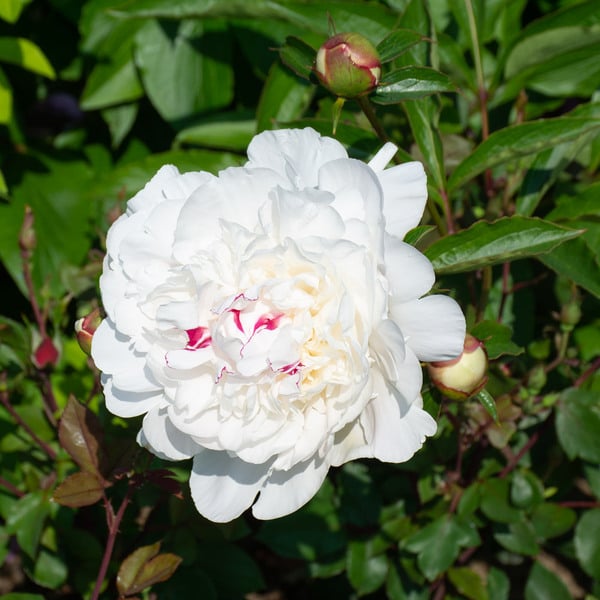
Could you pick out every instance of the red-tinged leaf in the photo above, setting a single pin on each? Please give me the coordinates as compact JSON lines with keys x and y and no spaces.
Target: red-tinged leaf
{"x":79,"y":489}
{"x":80,"y":434}
{"x":144,"y":568}
{"x":164,"y":479}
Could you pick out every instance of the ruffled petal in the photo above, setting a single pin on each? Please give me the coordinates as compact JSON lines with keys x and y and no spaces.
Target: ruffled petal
{"x":296,"y":154}
{"x":224,"y":486}
{"x":397,"y":434}
{"x":405,"y":192}
{"x":162,"y":438}
{"x":434,"y":327}
{"x":351,"y":442}
{"x":128,"y":404}
{"x":286,"y":491}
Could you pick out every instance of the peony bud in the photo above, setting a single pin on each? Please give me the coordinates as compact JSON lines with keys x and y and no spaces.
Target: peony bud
{"x":464,"y":376}
{"x":348,"y":65}
{"x":85,"y":329}
{"x":45,"y":354}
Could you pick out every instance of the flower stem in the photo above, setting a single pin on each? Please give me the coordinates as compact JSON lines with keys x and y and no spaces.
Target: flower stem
{"x":113,"y":522}
{"x":369,"y":112}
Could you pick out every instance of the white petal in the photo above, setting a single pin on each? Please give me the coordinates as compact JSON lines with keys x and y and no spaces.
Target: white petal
{"x":409,"y":273}
{"x":129,"y":404}
{"x":397,"y":435}
{"x":222,"y":486}
{"x":162,"y":438}
{"x":387,"y":343}
{"x":286,"y":491}
{"x":383,"y":157}
{"x":152,"y":193}
{"x":351,"y":441}
{"x":434,"y":327}
{"x":405,"y":192}
{"x":296,"y":154}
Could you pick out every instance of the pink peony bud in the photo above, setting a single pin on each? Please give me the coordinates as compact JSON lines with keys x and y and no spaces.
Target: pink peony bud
{"x":348,"y":65}
{"x":85,"y":329}
{"x":464,"y":376}
{"x":45,"y":354}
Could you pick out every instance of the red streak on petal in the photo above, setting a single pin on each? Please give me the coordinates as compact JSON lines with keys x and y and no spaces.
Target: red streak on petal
{"x":236,"y":318}
{"x":269,"y":322}
{"x":198,"y":337}
{"x":291,"y":369}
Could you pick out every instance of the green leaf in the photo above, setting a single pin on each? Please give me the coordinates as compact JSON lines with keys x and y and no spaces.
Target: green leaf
{"x":495,"y":502}
{"x":25,"y":54}
{"x":10,"y":10}
{"x":120,"y":120}
{"x":526,"y":489}
{"x":114,"y":80}
{"x":26,"y":518}
{"x":551,"y":520}
{"x":6,"y":100}
{"x":504,"y":240}
{"x":497,"y":339}
{"x":520,"y":538}
{"x":366,"y":573}
{"x":469,"y":583}
{"x":422,"y":116}
{"x":578,"y":424}
{"x":80,"y":434}
{"x":79,"y":489}
{"x":396,"y":43}
{"x":410,"y":83}
{"x":576,"y":261}
{"x":144,"y":568}
{"x":298,"y":56}
{"x":578,"y":204}
{"x":49,"y":571}
{"x":169,"y":53}
{"x":438,"y":544}
{"x":544,"y":585}
{"x":498,"y":584}
{"x":487,"y":401}
{"x":227,"y":131}
{"x":517,"y":141}
{"x":284,"y":98}
{"x":18,"y":596}
{"x":587,"y":542}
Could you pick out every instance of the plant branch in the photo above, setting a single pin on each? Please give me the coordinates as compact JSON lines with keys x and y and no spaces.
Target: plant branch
{"x":587,"y":373}
{"x":113,"y":521}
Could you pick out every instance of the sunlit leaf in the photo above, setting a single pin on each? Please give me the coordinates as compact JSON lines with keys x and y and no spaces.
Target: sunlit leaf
{"x":25,"y":54}
{"x":410,"y":83}
{"x":517,"y":141}
{"x":504,"y":240}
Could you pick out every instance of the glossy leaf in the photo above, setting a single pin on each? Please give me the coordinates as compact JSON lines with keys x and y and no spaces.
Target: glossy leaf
{"x":234,"y":134}
{"x":517,"y":141}
{"x":587,"y":542}
{"x":504,"y":240}
{"x":487,"y":401}
{"x":576,"y":261}
{"x":168,"y":53}
{"x":26,"y":520}
{"x":410,"y":83}
{"x":520,"y":539}
{"x":584,"y":203}
{"x":6,"y":99}
{"x":120,"y":120}
{"x":397,"y":43}
{"x":80,"y":434}
{"x":551,"y":520}
{"x":25,"y":54}
{"x":79,"y":489}
{"x":298,"y":56}
{"x":284,"y":98}
{"x":144,"y":568}
{"x":49,"y":571}
{"x":469,"y":583}
{"x":495,"y":502}
{"x":578,"y":423}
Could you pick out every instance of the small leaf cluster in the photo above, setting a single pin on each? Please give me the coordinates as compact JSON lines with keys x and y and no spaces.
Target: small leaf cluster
{"x":500,"y":99}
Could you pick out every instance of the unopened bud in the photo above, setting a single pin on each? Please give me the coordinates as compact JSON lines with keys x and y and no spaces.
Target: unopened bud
{"x":45,"y":354}
{"x":348,"y":65}
{"x":27,"y":239}
{"x":570,"y":315}
{"x":464,"y":376}
{"x":85,"y":329}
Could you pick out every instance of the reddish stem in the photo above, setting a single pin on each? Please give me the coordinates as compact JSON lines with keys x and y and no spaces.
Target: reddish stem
{"x":113,"y":522}
{"x":588,"y":372}
{"x":514,"y":461}
{"x":13,"y":489}
{"x":580,"y":503}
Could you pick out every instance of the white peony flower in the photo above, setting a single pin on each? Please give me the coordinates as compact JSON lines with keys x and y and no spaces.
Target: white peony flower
{"x":269,"y":321}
